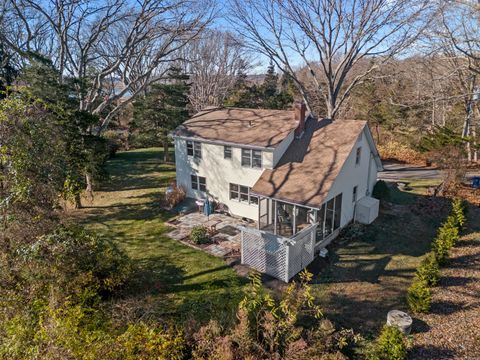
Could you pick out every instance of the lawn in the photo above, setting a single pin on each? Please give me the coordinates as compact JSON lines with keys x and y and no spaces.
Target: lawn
{"x":368,"y":273}
{"x":171,"y":280}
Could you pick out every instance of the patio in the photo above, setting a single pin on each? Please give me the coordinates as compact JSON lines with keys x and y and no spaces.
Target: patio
{"x":226,"y":241}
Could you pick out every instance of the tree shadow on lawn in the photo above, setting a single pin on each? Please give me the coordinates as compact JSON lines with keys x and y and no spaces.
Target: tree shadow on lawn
{"x":367,"y":275}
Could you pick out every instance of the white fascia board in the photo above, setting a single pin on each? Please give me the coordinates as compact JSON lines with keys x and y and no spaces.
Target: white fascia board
{"x":373,"y":148}
{"x":227,"y":143}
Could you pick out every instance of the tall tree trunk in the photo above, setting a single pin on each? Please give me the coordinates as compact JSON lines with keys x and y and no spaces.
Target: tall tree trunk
{"x":166,"y":157}
{"x":78,"y":201}
{"x":89,"y":187}
{"x":378,"y":133}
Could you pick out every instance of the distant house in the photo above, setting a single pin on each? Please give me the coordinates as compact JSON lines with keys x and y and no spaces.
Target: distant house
{"x":280,"y":169}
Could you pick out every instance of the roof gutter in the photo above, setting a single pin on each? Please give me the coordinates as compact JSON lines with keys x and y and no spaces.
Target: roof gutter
{"x":220,"y":142}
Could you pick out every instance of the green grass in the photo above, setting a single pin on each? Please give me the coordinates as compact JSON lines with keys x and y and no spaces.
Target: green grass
{"x":415,"y":187}
{"x":369,"y":273}
{"x":171,"y":280}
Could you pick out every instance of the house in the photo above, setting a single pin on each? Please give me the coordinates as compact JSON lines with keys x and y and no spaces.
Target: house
{"x":282,"y":170}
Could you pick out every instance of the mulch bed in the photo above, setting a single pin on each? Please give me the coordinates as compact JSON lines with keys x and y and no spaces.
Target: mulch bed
{"x":452,"y":328}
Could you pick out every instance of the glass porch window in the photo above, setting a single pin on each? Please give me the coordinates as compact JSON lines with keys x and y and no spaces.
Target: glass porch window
{"x":285,"y":215}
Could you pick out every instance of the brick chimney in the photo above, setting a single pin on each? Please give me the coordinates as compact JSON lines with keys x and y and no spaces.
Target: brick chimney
{"x":300,"y":109}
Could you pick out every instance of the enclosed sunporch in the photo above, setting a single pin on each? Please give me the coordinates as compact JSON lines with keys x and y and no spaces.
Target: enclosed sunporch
{"x":287,"y":219}
{"x":288,"y":235}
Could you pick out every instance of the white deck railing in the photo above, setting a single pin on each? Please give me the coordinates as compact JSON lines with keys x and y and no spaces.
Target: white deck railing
{"x":278,"y":256}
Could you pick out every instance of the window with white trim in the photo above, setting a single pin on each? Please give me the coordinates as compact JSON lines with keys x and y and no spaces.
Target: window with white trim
{"x":198,"y":183}
{"x":197,"y":150}
{"x":252,"y":158}
{"x":243,"y":194}
{"x":227,"y":152}
{"x":194,"y":148}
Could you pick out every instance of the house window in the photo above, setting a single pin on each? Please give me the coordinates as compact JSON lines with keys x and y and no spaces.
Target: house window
{"x":256,"y":159}
{"x":227,"y":152}
{"x":197,"y":150}
{"x":358,"y":155}
{"x":242,"y":194}
{"x":199,"y":183}
{"x":194,"y":148}
{"x":246,"y":157}
{"x":354,"y":194}
{"x":251,"y":158}
{"x":234,"y":195}
{"x":338,"y":212}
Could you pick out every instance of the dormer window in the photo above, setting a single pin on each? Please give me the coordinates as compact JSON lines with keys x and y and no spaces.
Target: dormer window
{"x":252,"y":158}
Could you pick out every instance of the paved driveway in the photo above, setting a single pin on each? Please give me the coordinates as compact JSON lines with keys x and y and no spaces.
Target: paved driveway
{"x":396,"y":172}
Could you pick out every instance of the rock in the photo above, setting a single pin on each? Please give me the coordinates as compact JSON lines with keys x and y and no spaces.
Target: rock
{"x":401,"y":320}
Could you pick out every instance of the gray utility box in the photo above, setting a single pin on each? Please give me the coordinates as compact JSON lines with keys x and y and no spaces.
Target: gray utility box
{"x":366,"y":210}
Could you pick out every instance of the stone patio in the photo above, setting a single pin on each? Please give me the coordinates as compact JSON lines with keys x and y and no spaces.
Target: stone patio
{"x":226,"y":242}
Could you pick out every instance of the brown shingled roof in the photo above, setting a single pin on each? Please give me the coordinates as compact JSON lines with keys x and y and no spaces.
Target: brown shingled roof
{"x":255,"y":127}
{"x":309,"y":167}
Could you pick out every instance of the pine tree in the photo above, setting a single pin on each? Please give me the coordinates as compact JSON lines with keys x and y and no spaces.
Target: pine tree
{"x":162,"y":109}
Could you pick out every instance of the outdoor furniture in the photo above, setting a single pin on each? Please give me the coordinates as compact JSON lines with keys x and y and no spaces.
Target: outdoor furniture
{"x":200,"y":203}
{"x":211,"y":226}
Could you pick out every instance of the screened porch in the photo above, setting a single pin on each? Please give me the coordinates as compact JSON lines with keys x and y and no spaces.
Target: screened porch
{"x":286,"y":219}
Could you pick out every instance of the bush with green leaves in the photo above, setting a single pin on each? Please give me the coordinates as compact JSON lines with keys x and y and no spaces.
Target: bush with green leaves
{"x":429,"y":270}
{"x":458,"y":212}
{"x":199,"y":235}
{"x":446,"y":238}
{"x":381,"y":191}
{"x":419,"y":297}
{"x":390,"y":345}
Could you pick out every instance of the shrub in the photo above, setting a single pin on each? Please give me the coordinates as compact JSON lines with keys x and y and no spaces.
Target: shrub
{"x":458,"y":213}
{"x":175,"y":196}
{"x":419,"y":296}
{"x":199,"y":234}
{"x":390,"y":345}
{"x":141,"y":341}
{"x":381,"y":191}
{"x":429,"y":270}
{"x":447,"y":237}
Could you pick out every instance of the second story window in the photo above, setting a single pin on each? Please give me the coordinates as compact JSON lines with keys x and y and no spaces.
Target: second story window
{"x":358,"y":156}
{"x":194,"y":148}
{"x":227,"y":152}
{"x":197,"y":150}
{"x":251,"y":158}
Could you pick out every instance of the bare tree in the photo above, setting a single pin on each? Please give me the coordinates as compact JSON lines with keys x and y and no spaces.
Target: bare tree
{"x":213,"y":62}
{"x":114,"y":48}
{"x":330,"y":38}
{"x":458,"y":36}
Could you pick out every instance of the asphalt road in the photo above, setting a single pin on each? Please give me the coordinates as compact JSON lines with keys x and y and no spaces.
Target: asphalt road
{"x":395,"y":172}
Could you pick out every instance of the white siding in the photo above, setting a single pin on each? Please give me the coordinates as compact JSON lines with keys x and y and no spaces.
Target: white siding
{"x":219,"y":173}
{"x":354,"y":175}
{"x":282,"y":147}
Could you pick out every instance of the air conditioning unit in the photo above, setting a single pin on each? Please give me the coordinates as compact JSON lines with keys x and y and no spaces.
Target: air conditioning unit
{"x":366,"y":210}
